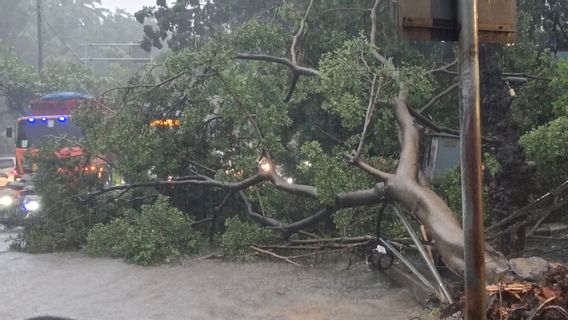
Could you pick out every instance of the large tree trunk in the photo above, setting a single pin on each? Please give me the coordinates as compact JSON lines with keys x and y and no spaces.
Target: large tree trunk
{"x":439,"y":219}
{"x":407,"y":187}
{"x":511,"y":185}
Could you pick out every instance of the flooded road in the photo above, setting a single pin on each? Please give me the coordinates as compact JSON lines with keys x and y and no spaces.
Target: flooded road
{"x":72,"y":285}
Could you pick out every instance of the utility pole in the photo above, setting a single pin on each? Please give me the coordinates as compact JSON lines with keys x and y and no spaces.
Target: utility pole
{"x":470,"y":22}
{"x":39,"y":37}
{"x":471,"y":176}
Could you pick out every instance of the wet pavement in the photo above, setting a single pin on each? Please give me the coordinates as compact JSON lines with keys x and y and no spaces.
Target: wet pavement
{"x":79,"y":287}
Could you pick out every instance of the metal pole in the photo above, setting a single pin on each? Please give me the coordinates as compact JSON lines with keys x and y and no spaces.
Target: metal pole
{"x":39,"y":37}
{"x":407,"y":263}
{"x":470,"y":156}
{"x":445,"y":293}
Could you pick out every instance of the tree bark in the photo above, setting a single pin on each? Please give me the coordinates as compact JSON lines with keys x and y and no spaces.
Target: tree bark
{"x":511,"y":185}
{"x":406,"y":188}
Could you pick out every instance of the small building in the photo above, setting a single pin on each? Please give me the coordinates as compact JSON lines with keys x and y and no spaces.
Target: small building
{"x":442,"y":154}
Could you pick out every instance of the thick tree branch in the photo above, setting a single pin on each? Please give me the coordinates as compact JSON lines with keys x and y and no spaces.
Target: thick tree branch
{"x":233,"y":186}
{"x":297,"y":189}
{"x":293,"y":83}
{"x":294,"y":68}
{"x":299,"y":34}
{"x":191,"y":180}
{"x":258,"y":218}
{"x":373,"y":36}
{"x":408,"y":165}
{"x":379,"y":57}
{"x":309,"y":221}
{"x":361,"y":197}
{"x":355,"y":160}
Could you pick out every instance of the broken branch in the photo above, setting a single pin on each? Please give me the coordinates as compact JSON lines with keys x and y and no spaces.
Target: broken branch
{"x":270,"y":253}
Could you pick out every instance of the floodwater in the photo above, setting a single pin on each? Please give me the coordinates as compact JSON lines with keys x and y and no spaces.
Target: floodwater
{"x":82,"y":288}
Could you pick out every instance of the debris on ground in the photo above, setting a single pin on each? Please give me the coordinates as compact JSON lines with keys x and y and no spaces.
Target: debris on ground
{"x":546,"y":299}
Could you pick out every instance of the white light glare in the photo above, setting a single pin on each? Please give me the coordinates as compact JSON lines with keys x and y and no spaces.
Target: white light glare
{"x":6,"y":201}
{"x":32,"y":205}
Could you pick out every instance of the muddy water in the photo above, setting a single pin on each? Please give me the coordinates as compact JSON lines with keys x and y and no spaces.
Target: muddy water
{"x":79,"y":287}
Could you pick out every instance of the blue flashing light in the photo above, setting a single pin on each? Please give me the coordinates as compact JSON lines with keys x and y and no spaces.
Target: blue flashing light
{"x":43,"y":119}
{"x":61,"y":118}
{"x":31,"y":120}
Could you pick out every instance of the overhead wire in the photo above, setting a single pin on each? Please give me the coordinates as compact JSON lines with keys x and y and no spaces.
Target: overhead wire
{"x":70,"y":50}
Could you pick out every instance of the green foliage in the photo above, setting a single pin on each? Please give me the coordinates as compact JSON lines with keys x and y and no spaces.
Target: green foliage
{"x":160,"y":234}
{"x":330,"y":175}
{"x":345,"y":81}
{"x":560,"y":83}
{"x":239,"y":235}
{"x":255,"y":36}
{"x":135,"y":145}
{"x":546,"y":145}
{"x":108,"y":239}
{"x":63,"y":220}
{"x":449,"y":185}
{"x":66,"y":74}
{"x":190,"y":23}
{"x":533,"y":105}
{"x":18,"y":81}
{"x":157,"y":233}
{"x":449,"y":188}
{"x":419,"y":84}
{"x":356,"y":221}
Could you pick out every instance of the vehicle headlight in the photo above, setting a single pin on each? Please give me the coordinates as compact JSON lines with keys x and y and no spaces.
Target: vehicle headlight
{"x":31,"y":205}
{"x":6,"y":200}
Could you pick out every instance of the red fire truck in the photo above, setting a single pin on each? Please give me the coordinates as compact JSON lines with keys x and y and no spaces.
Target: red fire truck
{"x":50,"y":116}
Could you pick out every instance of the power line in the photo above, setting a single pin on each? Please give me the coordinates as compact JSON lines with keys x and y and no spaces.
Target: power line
{"x":72,"y":53}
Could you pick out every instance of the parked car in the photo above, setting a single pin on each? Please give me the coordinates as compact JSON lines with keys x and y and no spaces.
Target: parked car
{"x":8,"y":171}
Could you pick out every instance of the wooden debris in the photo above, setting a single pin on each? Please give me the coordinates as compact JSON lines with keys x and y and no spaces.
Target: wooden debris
{"x":276,"y":256}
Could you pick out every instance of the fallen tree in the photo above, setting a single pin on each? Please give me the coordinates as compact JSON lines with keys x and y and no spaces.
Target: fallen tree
{"x":225,"y":98}
{"x":406,"y":185}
